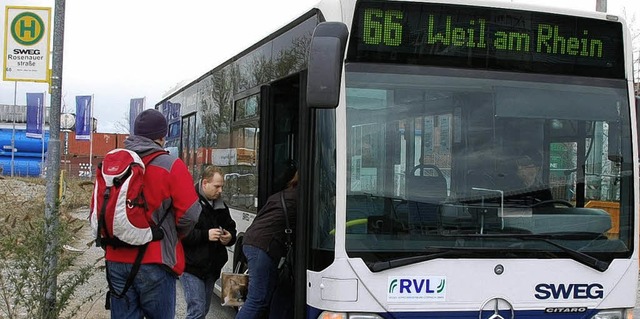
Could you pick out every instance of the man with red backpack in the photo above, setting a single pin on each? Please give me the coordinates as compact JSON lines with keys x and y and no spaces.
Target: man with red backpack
{"x":172,"y":210}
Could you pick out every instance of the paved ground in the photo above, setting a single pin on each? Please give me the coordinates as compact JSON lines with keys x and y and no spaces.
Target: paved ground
{"x":216,"y":311}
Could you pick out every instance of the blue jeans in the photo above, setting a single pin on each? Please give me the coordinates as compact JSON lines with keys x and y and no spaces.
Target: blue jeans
{"x":197,"y":294}
{"x":152,"y":294}
{"x":262,"y":282}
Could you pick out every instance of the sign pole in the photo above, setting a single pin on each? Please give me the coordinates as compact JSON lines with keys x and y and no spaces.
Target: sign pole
{"x":44,"y":112}
{"x":91,"y":139}
{"x":13,"y":132}
{"x":52,"y":199}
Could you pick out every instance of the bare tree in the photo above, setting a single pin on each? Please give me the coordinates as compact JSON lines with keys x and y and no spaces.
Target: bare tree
{"x":216,"y":109}
{"x":122,"y":125}
{"x":261,"y":70}
{"x":293,"y":59}
{"x":634,"y":29}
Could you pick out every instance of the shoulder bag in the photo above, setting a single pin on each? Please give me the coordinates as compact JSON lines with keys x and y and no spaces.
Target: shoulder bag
{"x":285,"y":266}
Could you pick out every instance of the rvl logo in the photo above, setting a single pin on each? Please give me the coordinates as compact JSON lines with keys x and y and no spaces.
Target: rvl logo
{"x":416,"y":288}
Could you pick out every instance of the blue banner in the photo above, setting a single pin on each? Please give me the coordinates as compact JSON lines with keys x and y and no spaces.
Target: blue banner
{"x":83,"y":117}
{"x":135,"y":108}
{"x":172,"y":112}
{"x":35,"y":114}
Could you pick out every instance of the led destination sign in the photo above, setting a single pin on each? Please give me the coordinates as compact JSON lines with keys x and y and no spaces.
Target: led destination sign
{"x":449,"y":35}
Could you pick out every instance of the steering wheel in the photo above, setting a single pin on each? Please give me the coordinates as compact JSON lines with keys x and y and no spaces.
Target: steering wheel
{"x":429,"y":166}
{"x":553,"y":201}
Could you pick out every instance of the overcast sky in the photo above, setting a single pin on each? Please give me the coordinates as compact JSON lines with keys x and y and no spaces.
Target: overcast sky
{"x":117,"y":50}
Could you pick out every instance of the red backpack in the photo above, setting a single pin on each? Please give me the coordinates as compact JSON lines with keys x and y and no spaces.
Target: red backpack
{"x":118,"y":207}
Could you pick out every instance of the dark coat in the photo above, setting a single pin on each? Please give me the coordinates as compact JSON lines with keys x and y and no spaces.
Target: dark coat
{"x":267,"y":229}
{"x":205,"y":258}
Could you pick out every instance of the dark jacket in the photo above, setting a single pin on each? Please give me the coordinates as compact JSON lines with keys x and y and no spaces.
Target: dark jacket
{"x":267,"y":229}
{"x":205,"y":258}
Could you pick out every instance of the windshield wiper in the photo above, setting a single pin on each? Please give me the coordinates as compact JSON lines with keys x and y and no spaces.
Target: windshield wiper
{"x":576,"y":255}
{"x":434,"y":253}
{"x":438,"y":252}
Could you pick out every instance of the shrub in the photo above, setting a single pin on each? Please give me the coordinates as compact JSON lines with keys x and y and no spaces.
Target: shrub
{"x":27,"y":272}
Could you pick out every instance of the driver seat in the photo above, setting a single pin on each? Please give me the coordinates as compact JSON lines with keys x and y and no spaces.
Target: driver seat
{"x":425,"y":189}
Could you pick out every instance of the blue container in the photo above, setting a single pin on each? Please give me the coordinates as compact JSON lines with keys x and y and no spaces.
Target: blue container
{"x":22,"y":166}
{"x":22,"y":142}
{"x":20,"y":154}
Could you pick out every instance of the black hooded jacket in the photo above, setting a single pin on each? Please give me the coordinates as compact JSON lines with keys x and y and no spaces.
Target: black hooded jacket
{"x":205,"y":258}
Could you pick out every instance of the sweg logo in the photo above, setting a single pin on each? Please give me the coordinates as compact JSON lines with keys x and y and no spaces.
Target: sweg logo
{"x":415,"y":285}
{"x":26,"y":51}
{"x":570,"y":291}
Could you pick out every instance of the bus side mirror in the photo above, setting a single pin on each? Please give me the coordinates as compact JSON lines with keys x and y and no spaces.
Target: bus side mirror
{"x":326,"y":54}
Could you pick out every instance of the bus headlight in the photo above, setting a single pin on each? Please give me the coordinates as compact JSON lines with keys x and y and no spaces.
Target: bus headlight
{"x":614,"y":314}
{"x":344,"y":315}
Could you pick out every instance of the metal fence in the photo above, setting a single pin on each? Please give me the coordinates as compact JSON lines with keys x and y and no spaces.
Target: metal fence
{"x":76,"y":168}
{"x":17,"y":113}
{"x":21,"y":168}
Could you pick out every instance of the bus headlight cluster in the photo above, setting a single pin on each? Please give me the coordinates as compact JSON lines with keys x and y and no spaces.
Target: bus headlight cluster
{"x":614,"y":314}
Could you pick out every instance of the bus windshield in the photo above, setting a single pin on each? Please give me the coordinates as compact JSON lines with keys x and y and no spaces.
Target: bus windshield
{"x":474,"y":161}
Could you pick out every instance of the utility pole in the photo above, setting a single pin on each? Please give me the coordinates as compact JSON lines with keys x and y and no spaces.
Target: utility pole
{"x":601,"y":5}
{"x":52,"y":201}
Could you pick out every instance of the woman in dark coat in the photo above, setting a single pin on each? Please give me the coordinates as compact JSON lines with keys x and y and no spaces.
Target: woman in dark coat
{"x":264,"y":246}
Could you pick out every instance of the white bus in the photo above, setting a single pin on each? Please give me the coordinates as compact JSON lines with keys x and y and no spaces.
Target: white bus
{"x":456,"y":160}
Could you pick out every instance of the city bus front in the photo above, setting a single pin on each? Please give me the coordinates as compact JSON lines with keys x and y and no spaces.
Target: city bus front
{"x":485,"y":167}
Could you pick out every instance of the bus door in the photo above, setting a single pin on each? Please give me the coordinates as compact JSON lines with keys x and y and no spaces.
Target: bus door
{"x":188,"y":141}
{"x":279,"y":135}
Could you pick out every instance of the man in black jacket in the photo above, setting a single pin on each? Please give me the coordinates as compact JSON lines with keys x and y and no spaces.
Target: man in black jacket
{"x":204,"y":247}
